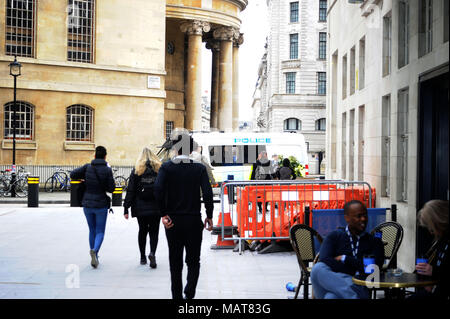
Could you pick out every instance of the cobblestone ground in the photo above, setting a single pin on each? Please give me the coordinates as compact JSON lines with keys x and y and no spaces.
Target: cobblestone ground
{"x":44,"y":253}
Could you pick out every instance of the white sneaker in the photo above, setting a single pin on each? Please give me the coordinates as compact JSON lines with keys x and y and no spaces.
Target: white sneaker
{"x":94,"y":259}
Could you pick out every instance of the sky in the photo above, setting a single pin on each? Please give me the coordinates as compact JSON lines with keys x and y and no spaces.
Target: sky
{"x":255,"y":29}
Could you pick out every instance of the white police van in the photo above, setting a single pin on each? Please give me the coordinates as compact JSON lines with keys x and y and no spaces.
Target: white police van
{"x":232,"y":154}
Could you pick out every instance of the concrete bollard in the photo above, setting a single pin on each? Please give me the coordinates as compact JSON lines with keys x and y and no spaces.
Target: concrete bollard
{"x":117,"y":197}
{"x":33,"y":191}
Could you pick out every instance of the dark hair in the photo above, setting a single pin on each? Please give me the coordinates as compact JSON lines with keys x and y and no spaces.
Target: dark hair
{"x":286,"y":162}
{"x":350,"y":203}
{"x":100,"y":152}
{"x":181,"y":144}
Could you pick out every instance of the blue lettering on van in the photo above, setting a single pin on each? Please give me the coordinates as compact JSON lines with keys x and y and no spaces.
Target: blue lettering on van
{"x":246,"y":140}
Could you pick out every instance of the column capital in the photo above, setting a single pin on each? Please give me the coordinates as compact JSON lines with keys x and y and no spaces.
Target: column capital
{"x":225,"y":33}
{"x":213,"y":45}
{"x":195,"y":27}
{"x":238,"y":39}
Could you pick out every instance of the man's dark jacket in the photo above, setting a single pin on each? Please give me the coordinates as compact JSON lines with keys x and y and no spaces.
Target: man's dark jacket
{"x":337,"y":243}
{"x":177,"y":188}
{"x":96,"y":188}
{"x":140,"y":207}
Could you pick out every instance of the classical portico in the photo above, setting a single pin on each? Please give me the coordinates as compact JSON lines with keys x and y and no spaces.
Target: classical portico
{"x":216,"y":23}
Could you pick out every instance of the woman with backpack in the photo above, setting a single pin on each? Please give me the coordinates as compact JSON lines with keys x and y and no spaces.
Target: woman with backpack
{"x":143,"y":204}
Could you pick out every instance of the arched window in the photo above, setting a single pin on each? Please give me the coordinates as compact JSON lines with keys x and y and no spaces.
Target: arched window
{"x":79,"y":123}
{"x":321,"y":124}
{"x":292,"y":124}
{"x":24,"y":120}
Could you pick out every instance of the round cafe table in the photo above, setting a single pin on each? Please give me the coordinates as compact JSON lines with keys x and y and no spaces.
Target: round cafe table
{"x":388,"y":280}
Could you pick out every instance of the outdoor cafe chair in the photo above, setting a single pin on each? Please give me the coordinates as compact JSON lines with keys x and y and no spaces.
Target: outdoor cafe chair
{"x":302,"y":240}
{"x":392,"y":236}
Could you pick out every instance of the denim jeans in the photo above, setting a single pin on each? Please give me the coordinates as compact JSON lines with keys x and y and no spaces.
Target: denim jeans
{"x":96,"y":219}
{"x":328,"y":284}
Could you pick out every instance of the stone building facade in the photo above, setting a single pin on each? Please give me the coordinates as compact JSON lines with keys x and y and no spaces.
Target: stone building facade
{"x":387,"y":106}
{"x":115,"y":73}
{"x":293,"y":82}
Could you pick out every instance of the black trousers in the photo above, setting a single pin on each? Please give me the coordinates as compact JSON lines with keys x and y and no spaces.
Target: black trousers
{"x":148,"y":225}
{"x":186,"y":234}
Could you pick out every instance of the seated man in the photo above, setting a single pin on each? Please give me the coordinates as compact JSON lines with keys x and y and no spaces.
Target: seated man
{"x":341,"y":257}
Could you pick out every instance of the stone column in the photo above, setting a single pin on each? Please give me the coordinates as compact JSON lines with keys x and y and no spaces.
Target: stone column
{"x":225,"y":114}
{"x":193,"y":92}
{"x":214,"y":46}
{"x":238,"y":40}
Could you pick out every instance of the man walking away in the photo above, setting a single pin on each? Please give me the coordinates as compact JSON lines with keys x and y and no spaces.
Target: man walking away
{"x":177,"y":189}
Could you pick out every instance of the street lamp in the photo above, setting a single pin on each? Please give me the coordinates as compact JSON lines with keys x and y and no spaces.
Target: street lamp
{"x":14,"y":70}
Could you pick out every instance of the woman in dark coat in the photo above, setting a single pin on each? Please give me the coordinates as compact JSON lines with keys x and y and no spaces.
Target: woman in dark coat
{"x":98,"y":180}
{"x":142,"y":202}
{"x":286,"y":172}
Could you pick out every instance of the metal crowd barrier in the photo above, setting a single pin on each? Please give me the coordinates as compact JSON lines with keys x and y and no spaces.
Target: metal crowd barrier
{"x":265,"y":210}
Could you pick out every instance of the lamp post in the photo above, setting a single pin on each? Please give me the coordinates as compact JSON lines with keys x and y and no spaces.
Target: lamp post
{"x":14,"y":70}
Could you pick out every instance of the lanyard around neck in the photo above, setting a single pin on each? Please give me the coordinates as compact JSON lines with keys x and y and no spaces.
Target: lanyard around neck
{"x":354,"y":247}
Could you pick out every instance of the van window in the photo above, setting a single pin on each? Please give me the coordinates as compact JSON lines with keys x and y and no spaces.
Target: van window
{"x":234,"y":155}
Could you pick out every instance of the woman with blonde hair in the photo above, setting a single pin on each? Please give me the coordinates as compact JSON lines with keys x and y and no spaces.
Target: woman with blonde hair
{"x":434,"y":216}
{"x":143,"y":204}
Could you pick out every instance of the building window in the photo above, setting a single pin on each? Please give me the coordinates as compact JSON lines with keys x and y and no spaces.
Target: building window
{"x":322,"y":45}
{"x":402,"y":146}
{"x":386,"y":147}
{"x":321,"y":124}
{"x":24,"y":120}
{"x":321,"y":83}
{"x":403,"y":33}
{"x":80,"y":36}
{"x":344,"y":76}
{"x":426,"y":26}
{"x":293,"y":46}
{"x":292,"y":124}
{"x":362,"y":63}
{"x":169,"y":128}
{"x":20,"y":27}
{"x":352,"y":70}
{"x":387,"y":44}
{"x":290,"y":82}
{"x":322,"y":10}
{"x":294,"y":11}
{"x":79,"y":123}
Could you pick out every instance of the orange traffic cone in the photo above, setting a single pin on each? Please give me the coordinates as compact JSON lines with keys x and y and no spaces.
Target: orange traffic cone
{"x":228,"y":229}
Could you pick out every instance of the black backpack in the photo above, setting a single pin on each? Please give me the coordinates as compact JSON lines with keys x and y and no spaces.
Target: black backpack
{"x":146,"y":186}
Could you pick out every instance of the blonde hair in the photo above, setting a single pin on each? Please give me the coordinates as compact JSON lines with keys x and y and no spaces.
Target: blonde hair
{"x":434,"y":216}
{"x":141,"y":162}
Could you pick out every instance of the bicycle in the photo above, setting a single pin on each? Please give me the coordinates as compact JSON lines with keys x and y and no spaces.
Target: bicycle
{"x":119,"y":180}
{"x":59,"y":181}
{"x":20,"y":183}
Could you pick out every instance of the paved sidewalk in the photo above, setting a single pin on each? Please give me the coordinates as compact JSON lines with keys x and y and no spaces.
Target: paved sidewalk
{"x":44,"y":253}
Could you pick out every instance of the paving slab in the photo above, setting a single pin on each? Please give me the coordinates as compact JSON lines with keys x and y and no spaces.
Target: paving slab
{"x":44,"y":253}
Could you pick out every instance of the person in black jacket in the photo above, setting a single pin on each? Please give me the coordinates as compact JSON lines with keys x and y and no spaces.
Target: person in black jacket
{"x":177,"y":189}
{"x":286,"y":172}
{"x":341,"y":257}
{"x":99,"y":179}
{"x":434,"y":216}
{"x":143,"y":204}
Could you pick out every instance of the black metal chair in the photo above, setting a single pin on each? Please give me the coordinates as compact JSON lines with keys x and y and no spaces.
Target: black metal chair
{"x":392,"y":236}
{"x":302,"y":240}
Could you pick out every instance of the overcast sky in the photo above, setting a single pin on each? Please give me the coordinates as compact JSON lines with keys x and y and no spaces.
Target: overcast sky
{"x":255,"y":28}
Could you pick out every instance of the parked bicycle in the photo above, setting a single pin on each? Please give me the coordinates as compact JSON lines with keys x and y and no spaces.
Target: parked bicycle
{"x":119,"y":180}
{"x":59,"y":181}
{"x":20,"y":183}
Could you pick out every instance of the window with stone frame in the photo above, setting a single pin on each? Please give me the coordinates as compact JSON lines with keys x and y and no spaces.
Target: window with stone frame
{"x":81,"y":30}
{"x":293,"y":46}
{"x":322,"y":10}
{"x":169,"y":128}
{"x":321,"y":83}
{"x":290,"y":82}
{"x":24,"y":120}
{"x":321,"y":124}
{"x":79,"y":123}
{"x":322,"y":45}
{"x":292,"y":124}
{"x":294,"y":11}
{"x":20,"y":27}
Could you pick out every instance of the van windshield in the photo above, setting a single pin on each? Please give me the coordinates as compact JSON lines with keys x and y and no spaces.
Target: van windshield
{"x":234,"y":155}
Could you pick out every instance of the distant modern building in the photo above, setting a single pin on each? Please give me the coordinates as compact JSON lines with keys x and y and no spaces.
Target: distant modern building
{"x":292,"y":74}
{"x":387,"y":105}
